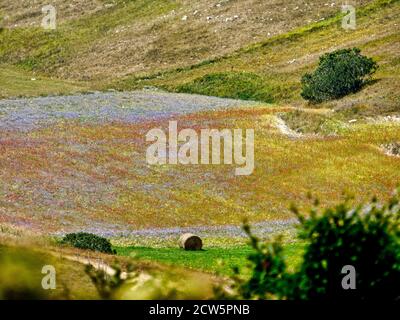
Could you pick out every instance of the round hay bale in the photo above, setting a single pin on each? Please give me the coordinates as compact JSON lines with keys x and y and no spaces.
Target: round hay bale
{"x":189,"y":241}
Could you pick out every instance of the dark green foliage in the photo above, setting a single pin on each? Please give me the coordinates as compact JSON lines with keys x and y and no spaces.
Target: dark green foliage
{"x":237,"y":85}
{"x":365,"y":237}
{"x":268,"y":277}
{"x":83,"y":240}
{"x":339,"y":73}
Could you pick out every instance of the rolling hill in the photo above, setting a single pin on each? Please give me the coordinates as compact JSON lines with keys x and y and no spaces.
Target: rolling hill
{"x":76,"y":104}
{"x":109,"y":39}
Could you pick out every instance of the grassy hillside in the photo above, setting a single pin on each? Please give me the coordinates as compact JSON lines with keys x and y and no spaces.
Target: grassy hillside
{"x":244,"y":49}
{"x":103,"y":39}
{"x":270,"y":71}
{"x":261,"y":54}
{"x":88,"y":186}
{"x":16,"y":82}
{"x":79,"y":174}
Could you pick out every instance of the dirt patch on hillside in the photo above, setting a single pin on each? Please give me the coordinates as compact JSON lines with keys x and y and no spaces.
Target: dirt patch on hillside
{"x":392,"y":149}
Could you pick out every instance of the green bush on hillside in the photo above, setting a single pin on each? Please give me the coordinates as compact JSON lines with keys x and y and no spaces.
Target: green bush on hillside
{"x":83,"y":240}
{"x":339,"y":73}
{"x":236,"y":85}
{"x":364,"y":237}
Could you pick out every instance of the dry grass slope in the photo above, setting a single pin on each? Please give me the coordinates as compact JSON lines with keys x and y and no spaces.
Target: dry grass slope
{"x":102,"y":39}
{"x":278,"y":64}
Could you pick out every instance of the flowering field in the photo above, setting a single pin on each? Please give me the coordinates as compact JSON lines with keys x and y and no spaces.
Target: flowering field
{"x":81,"y":174}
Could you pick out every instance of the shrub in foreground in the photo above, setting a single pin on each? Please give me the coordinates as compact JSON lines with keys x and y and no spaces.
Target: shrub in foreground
{"x":365,"y":237}
{"x":339,"y":73}
{"x":83,"y":240}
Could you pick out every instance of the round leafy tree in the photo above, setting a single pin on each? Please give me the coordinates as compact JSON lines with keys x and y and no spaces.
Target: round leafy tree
{"x":83,"y":240}
{"x":339,"y":73}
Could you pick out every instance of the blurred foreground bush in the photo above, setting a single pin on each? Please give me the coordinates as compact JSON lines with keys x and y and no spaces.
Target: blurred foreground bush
{"x":366,"y":237}
{"x":20,"y":275}
{"x":149,"y":285}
